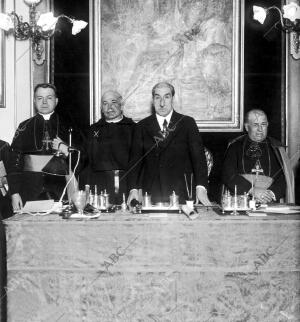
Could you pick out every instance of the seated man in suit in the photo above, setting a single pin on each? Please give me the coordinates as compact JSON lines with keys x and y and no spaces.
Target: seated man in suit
{"x":108,"y":147}
{"x":33,"y":146}
{"x":257,"y":164}
{"x":167,"y":148}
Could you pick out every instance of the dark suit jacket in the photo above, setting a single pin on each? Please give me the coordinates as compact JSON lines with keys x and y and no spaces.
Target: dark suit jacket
{"x":158,"y":165}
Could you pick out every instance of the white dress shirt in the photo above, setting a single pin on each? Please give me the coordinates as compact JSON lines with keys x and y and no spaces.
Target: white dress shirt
{"x":160,"y":119}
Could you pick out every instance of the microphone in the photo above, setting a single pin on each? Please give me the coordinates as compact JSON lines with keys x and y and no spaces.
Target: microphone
{"x":72,"y":149}
{"x":134,"y":203}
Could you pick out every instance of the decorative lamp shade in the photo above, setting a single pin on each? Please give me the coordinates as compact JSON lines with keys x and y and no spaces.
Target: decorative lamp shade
{"x":57,"y":166}
{"x":289,"y":22}
{"x":37,"y":31}
{"x":31,"y":2}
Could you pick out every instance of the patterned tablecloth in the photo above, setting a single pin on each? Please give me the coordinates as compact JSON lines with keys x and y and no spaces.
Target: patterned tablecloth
{"x":153,"y":267}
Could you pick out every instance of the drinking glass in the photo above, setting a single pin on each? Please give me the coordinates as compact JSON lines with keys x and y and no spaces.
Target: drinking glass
{"x":79,"y":199}
{"x":190,"y":203}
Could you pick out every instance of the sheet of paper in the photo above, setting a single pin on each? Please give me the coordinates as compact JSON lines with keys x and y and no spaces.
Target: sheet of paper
{"x":256,"y":214}
{"x":38,"y":206}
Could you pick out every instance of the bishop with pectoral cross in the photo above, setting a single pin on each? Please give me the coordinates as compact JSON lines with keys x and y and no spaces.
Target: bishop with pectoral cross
{"x":33,"y":145}
{"x":258,"y":158}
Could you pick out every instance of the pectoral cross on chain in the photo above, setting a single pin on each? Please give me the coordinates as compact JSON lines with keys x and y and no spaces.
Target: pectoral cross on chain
{"x":46,"y":140}
{"x":258,"y":169}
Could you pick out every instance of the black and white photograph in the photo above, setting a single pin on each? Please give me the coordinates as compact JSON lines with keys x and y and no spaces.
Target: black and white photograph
{"x":149,"y":161}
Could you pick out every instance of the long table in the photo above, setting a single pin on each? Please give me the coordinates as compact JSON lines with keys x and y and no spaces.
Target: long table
{"x":153,"y":267}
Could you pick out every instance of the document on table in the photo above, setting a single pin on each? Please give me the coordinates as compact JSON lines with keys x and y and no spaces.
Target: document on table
{"x":256,"y":214}
{"x":282,"y":209}
{"x":38,"y":206}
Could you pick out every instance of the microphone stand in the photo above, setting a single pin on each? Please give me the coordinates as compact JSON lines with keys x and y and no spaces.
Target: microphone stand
{"x":70,"y":165}
{"x":68,"y":209}
{"x":70,"y":152}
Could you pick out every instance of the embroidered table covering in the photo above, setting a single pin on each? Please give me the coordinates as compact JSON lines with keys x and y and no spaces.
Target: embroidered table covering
{"x":153,"y":267}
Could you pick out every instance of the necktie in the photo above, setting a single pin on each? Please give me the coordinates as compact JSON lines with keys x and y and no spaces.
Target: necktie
{"x":165,"y":127}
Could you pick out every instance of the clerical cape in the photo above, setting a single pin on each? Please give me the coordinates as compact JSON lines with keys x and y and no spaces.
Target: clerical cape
{"x":33,"y":138}
{"x":243,"y":155}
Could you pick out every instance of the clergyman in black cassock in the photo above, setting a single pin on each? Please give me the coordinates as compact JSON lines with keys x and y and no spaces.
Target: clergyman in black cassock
{"x":40,"y":135}
{"x":253,"y":152}
{"x":108,"y":147}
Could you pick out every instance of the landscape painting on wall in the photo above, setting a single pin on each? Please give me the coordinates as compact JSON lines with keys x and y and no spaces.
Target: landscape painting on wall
{"x":193,"y":44}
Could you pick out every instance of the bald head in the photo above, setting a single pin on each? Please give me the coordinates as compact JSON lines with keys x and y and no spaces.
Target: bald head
{"x":254,"y":112}
{"x":111,"y":93}
{"x":111,"y":105}
{"x":256,"y":124}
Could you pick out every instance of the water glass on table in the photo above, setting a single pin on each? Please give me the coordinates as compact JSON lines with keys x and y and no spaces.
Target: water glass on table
{"x":79,"y":199}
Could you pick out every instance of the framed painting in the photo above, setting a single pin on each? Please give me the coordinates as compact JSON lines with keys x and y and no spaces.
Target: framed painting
{"x":196,"y":45}
{"x":2,"y":62}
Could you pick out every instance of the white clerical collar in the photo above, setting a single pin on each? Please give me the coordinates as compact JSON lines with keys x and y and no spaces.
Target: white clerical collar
{"x":46,"y":116}
{"x":115,"y":120}
{"x":160,"y":119}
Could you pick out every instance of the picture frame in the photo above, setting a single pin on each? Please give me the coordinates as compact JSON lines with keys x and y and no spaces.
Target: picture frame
{"x":2,"y":62}
{"x":196,"y":45}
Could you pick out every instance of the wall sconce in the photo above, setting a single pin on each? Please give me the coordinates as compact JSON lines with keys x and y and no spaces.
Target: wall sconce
{"x":289,"y":22}
{"x":39,"y":28}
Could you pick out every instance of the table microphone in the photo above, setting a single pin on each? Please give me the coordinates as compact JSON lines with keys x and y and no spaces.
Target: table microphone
{"x":134,"y":203}
{"x":72,"y":149}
